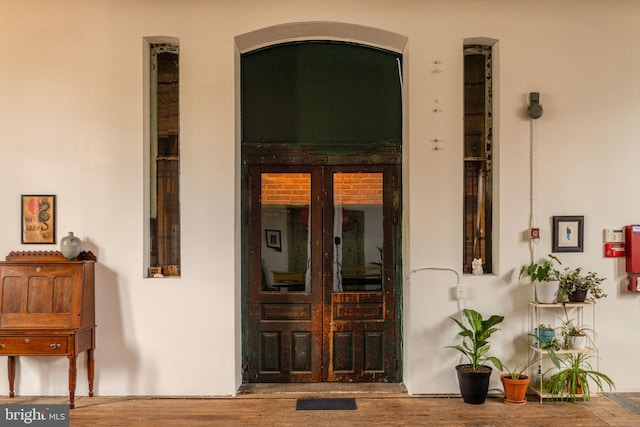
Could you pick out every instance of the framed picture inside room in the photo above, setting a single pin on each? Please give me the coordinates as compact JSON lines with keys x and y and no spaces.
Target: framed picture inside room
{"x":274,"y":239}
{"x":38,"y":213}
{"x":568,"y":234}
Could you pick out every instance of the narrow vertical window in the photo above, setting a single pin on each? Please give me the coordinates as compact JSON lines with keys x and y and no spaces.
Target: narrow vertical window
{"x":164,"y":212}
{"x":478,"y":135}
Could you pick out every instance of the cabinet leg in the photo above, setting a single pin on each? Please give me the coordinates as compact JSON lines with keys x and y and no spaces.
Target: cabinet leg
{"x":90,"y":370}
{"x":72,"y":381}
{"x":11,"y":370}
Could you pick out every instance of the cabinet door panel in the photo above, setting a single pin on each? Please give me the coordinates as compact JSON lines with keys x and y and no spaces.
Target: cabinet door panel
{"x":40,"y":294}
{"x":12,"y":294}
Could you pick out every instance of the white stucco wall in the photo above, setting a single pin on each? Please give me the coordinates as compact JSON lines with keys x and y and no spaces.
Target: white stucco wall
{"x":72,"y":124}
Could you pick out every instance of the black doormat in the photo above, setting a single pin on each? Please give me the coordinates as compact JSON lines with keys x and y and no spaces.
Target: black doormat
{"x":326,"y":405}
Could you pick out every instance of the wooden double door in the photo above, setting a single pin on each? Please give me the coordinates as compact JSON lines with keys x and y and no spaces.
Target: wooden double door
{"x":321,"y":291}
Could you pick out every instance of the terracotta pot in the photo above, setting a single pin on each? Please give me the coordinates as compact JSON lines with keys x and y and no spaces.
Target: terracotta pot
{"x":515,"y":391}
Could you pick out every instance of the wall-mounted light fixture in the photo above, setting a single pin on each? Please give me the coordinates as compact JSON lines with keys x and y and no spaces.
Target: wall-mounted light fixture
{"x":535,"y":109}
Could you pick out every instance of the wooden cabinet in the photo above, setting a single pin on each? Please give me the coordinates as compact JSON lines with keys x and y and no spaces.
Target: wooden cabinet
{"x":47,"y":308}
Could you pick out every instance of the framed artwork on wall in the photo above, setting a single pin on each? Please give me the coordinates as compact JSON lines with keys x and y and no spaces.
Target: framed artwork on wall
{"x":568,"y":234}
{"x":38,"y":218}
{"x":274,"y":239}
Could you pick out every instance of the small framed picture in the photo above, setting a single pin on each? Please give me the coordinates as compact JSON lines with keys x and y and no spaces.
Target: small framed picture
{"x":273,"y":239}
{"x":38,"y":218}
{"x":568,"y":234}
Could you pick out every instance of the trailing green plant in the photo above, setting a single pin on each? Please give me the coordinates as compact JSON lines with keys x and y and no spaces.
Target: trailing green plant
{"x":545,"y":343}
{"x":552,"y":344}
{"x":574,"y":280}
{"x":574,"y":376}
{"x":475,"y":338}
{"x":542,"y":271}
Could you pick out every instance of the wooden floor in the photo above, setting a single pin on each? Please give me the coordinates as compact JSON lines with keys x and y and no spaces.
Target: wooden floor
{"x":374,"y":408}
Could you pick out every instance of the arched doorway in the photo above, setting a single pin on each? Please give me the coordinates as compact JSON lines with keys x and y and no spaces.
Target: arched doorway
{"x":321,"y":141}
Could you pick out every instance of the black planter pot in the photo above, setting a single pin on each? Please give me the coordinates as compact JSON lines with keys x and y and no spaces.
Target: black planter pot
{"x":474,"y":385}
{"x":578,"y":296}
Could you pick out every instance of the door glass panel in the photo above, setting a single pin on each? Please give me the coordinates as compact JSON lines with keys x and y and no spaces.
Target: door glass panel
{"x":286,"y":247}
{"x":357,"y":232}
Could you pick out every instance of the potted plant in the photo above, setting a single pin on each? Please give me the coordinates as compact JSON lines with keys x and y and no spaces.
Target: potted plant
{"x":545,"y":277}
{"x":578,"y":287}
{"x":573,"y":377}
{"x":473,"y":377}
{"x":576,"y":336}
{"x":545,"y":337}
{"x":515,"y":384}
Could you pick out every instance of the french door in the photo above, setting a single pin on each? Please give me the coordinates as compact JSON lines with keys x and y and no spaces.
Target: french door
{"x":323,"y":267}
